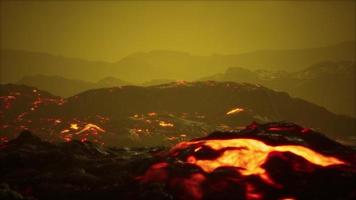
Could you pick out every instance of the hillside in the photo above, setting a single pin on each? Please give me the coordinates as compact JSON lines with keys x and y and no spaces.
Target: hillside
{"x":163,"y":114}
{"x":330,"y":84}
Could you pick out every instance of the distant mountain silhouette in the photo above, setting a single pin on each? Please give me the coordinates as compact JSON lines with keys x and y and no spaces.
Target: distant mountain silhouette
{"x":16,"y":64}
{"x":132,"y":115}
{"x":161,"y":64}
{"x":157,"y":82}
{"x":330,"y":84}
{"x":64,"y":87}
{"x":296,"y":59}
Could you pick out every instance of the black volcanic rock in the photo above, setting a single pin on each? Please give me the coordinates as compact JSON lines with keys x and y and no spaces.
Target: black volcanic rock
{"x":34,"y":169}
{"x":74,"y":170}
{"x":27,"y":137}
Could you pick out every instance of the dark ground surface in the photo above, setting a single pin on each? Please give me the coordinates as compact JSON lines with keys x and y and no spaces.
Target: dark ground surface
{"x":33,"y":169}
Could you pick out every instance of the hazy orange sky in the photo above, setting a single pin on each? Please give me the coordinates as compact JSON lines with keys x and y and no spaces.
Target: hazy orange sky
{"x":110,"y":30}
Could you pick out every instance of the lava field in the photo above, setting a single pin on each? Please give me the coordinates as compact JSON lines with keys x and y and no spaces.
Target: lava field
{"x":261,"y":161}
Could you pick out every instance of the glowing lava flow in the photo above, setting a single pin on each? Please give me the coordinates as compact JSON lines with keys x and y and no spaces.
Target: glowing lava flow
{"x":90,"y":127}
{"x":165,"y":124}
{"x":234,"y":111}
{"x":76,"y":131}
{"x":248,"y":155}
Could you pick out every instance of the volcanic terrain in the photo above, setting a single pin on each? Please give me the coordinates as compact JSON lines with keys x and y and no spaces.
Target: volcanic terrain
{"x":261,"y":161}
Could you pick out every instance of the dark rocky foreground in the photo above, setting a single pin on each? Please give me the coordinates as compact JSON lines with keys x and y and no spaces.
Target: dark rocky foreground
{"x":33,"y":169}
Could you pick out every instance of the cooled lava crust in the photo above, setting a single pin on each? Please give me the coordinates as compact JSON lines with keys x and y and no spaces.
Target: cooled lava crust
{"x":262,"y":161}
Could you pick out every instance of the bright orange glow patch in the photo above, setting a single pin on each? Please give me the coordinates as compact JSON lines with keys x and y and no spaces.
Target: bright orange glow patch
{"x":251,"y":193}
{"x":251,"y":169}
{"x":235,"y":111}
{"x":166,"y":124}
{"x":181,"y":82}
{"x":91,"y":127}
{"x":248,"y":155}
{"x":74,"y":126}
{"x":65,"y":131}
{"x":152,"y":114}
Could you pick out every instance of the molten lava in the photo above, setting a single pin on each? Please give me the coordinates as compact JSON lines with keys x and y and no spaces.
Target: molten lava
{"x":248,"y":155}
{"x":91,"y":127}
{"x":243,"y":162}
{"x":235,"y":111}
{"x":74,"y":126}
{"x":166,"y":124}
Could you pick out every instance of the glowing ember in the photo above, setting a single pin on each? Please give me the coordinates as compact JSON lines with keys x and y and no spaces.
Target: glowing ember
{"x":136,"y":133}
{"x":235,"y":111}
{"x":183,"y":135}
{"x":74,"y":126}
{"x":152,"y":114}
{"x":166,"y":124}
{"x":251,"y":193}
{"x":65,"y":131}
{"x":171,"y":138}
{"x":7,"y":101}
{"x":181,"y":82}
{"x":4,"y":139}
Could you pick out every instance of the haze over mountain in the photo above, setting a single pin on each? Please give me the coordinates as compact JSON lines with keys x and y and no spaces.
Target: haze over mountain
{"x":16,"y":64}
{"x":177,"y":100}
{"x":329,"y":84}
{"x":160,"y":64}
{"x":111,"y":30}
{"x":64,"y":87}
